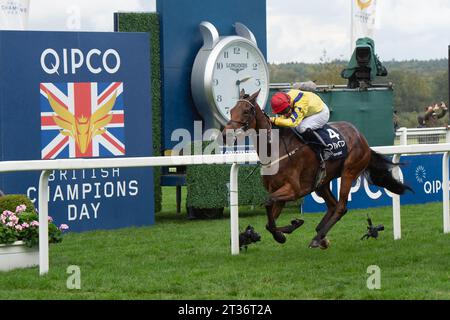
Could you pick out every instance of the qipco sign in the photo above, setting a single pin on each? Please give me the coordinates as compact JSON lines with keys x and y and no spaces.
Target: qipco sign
{"x":68,"y":61}
{"x":87,"y":96}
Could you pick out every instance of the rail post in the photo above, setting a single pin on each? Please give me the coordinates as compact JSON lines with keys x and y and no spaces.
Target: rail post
{"x":234,"y":214}
{"x":396,"y":202}
{"x":43,"y":223}
{"x":445,"y":190}
{"x":447,"y":134}
{"x":403,"y":136}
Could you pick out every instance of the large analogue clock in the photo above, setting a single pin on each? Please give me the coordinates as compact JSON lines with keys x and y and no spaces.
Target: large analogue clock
{"x":223,"y":67}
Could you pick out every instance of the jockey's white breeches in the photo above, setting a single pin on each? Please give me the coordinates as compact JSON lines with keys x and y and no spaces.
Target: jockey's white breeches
{"x":316,"y":121}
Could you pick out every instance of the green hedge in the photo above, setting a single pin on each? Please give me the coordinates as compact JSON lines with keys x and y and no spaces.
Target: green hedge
{"x":11,"y":201}
{"x":207,"y":186}
{"x":149,"y":22}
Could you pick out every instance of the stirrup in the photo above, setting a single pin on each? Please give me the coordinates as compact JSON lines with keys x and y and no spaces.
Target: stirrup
{"x":326,"y":154}
{"x":321,"y":175}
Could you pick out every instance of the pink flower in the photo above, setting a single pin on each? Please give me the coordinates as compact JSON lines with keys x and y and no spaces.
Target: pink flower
{"x":50,"y":219}
{"x":14,"y":219}
{"x":21,"y":208}
{"x":25,"y":225}
{"x":35,"y":223}
{"x":63,"y":227}
{"x":19,"y":227}
{"x":7,"y":213}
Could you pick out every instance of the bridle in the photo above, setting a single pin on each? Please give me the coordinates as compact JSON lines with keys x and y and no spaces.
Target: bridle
{"x":245,"y":125}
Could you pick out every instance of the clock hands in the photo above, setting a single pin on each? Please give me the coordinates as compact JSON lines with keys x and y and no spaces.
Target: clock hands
{"x":238,"y":83}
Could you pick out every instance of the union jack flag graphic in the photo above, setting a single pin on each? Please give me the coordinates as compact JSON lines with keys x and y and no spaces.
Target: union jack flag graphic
{"x":82,"y":120}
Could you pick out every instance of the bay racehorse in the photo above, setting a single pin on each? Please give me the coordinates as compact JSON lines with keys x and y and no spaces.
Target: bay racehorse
{"x":299,"y":167}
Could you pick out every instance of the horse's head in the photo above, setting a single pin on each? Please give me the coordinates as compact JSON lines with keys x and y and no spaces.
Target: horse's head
{"x":243,"y":115}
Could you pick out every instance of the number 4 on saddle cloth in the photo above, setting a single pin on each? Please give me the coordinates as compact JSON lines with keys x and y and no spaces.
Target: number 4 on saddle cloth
{"x":331,"y":137}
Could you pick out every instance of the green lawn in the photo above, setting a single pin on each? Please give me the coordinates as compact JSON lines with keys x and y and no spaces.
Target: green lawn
{"x":180,"y":259}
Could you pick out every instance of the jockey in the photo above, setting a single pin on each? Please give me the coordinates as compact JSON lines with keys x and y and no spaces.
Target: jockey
{"x":304,"y":111}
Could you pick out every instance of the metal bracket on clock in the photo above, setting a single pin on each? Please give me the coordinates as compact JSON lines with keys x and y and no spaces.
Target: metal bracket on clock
{"x":209,"y":33}
{"x":243,"y":31}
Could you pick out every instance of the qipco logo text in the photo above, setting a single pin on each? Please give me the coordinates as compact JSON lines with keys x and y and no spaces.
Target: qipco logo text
{"x":69,"y":61}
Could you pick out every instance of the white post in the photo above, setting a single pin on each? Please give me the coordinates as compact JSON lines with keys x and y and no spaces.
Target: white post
{"x":447,"y":134}
{"x":352,"y":13}
{"x":234,"y":214}
{"x":445,"y":190}
{"x":43,"y":223}
{"x":403,"y":136}
{"x":396,"y":202}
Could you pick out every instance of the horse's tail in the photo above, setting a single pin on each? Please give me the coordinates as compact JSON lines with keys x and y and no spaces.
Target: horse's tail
{"x":379,"y":173}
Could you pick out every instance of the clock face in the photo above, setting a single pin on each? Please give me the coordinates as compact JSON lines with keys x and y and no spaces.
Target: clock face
{"x":238,"y":66}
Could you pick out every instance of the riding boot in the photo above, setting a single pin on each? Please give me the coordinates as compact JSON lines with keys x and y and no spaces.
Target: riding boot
{"x":325,"y":152}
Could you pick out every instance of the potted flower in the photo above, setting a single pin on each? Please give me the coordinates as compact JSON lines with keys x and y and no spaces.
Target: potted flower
{"x":19,"y":237}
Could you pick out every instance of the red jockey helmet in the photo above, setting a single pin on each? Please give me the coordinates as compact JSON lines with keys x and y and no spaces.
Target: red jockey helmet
{"x":279,"y":102}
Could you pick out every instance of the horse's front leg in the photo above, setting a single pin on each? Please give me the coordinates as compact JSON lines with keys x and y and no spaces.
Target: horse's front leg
{"x":274,"y":206}
{"x":273,"y":210}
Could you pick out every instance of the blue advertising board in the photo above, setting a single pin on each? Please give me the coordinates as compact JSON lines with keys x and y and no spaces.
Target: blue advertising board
{"x":422,"y":173}
{"x":180,"y":42}
{"x":79,"y":95}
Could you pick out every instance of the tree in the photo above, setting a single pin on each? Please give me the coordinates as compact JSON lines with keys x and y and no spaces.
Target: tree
{"x":440,"y":87}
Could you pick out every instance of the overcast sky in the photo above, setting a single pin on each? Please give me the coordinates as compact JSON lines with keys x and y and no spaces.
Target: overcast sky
{"x":297,"y":30}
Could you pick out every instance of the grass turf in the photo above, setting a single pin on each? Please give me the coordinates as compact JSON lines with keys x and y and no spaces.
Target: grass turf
{"x":180,"y":259}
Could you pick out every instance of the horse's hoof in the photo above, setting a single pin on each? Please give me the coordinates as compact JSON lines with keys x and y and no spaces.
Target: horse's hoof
{"x":297,"y":223}
{"x":314,"y":244}
{"x":324,"y":244}
{"x":279,"y":237}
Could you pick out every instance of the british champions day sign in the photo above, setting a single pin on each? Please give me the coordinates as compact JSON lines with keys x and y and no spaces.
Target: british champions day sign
{"x":79,"y":95}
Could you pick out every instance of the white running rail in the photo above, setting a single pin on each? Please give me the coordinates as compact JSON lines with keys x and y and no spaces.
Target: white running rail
{"x":423,"y":135}
{"x":46,"y":166}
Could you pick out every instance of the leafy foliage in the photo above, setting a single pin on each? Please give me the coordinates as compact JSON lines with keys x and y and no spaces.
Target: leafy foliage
{"x":149,"y":22}
{"x":11,"y":201}
{"x":207,"y":185}
{"x":417,"y":84}
{"x":20,"y":222}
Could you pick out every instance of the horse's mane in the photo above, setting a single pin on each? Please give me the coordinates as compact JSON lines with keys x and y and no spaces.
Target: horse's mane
{"x":288,"y":134}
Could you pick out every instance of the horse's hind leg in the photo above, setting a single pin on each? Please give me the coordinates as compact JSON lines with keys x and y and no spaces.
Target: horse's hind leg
{"x":341,"y":210}
{"x":331,"y":202}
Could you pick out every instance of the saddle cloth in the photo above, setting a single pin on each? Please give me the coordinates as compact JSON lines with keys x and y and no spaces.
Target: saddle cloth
{"x":333,"y":138}
{"x":335,"y":141}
